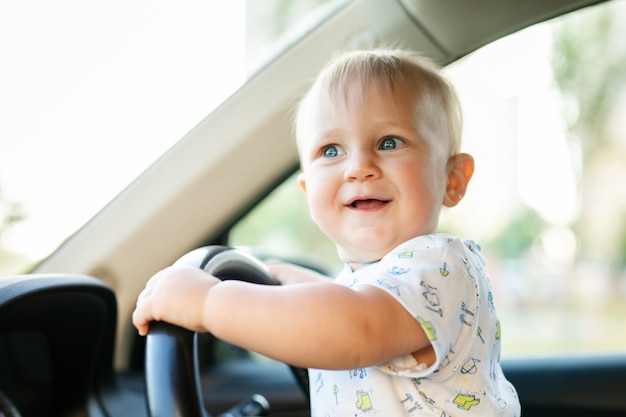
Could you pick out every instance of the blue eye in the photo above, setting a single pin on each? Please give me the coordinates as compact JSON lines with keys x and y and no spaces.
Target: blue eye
{"x":332,"y":151}
{"x":390,"y":143}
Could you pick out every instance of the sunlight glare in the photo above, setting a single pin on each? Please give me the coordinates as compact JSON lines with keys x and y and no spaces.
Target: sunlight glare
{"x":92,"y":93}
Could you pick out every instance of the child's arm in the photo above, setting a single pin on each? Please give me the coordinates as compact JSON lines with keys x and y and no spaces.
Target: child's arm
{"x":314,"y":325}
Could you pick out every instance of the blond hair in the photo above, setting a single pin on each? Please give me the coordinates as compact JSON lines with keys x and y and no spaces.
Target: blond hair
{"x":386,"y":69}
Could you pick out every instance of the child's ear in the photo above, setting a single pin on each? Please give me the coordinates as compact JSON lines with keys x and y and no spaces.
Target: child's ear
{"x":460,"y":171}
{"x":302,"y":182}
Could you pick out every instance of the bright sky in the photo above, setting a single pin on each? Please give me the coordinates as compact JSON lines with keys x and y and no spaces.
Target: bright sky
{"x":92,"y":92}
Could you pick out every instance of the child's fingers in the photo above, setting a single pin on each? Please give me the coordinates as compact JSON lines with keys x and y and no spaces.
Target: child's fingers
{"x":140,"y":324}
{"x":140,"y":316}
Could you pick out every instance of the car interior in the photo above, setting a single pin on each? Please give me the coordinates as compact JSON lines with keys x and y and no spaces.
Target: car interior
{"x":67,"y":345}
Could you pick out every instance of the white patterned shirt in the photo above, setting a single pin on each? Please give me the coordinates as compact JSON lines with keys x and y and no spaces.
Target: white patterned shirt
{"x":441,"y":281}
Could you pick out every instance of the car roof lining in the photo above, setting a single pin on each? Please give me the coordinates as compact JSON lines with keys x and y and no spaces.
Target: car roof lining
{"x":462,"y":32}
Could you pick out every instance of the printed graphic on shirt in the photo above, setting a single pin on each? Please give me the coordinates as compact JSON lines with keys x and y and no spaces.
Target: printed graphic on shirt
{"x":479,"y":333}
{"x":397,"y":271}
{"x":318,"y":383}
{"x":432,"y":297}
{"x":364,"y":401}
{"x":390,"y":285}
{"x":360,"y":373}
{"x":410,"y":404}
{"x":465,"y":401}
{"x":470,"y":366}
{"x":428,"y":327}
{"x":467,"y":316}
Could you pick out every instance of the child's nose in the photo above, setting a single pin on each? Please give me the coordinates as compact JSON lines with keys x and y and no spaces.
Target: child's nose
{"x":361,"y":167}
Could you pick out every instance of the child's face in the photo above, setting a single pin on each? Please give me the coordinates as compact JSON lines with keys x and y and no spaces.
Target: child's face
{"x":371,"y":179}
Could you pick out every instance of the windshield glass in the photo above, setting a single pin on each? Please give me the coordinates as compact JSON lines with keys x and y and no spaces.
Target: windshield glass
{"x":92,"y":93}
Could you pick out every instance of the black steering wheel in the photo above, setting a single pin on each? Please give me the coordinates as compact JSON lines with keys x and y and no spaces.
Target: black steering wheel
{"x":171,"y":369}
{"x":7,"y":409}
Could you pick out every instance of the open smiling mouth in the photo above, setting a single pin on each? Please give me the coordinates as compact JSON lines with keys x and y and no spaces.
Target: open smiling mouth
{"x":369,"y":203}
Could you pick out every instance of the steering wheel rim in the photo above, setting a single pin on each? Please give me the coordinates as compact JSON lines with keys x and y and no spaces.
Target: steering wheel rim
{"x":7,"y":408}
{"x":171,"y":369}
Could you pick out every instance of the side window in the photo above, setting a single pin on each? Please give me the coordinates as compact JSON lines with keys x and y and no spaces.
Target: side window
{"x":543,"y":115}
{"x":543,"y":111}
{"x":280,"y":226}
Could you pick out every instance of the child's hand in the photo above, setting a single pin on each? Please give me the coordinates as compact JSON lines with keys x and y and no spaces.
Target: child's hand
{"x":175,"y":295}
{"x":287,"y":273}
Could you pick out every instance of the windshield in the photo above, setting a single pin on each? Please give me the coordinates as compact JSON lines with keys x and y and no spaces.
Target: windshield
{"x":92,"y":93}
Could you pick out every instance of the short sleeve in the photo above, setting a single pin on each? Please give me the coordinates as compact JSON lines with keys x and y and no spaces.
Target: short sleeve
{"x":431,"y":276}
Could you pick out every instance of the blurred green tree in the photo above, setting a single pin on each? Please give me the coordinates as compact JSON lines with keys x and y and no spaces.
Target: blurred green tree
{"x":589,"y":66}
{"x":519,"y":235}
